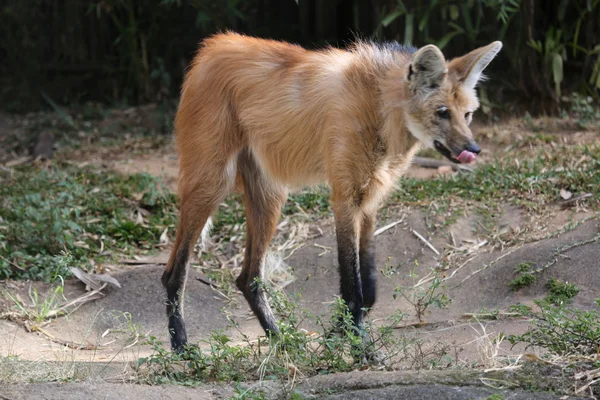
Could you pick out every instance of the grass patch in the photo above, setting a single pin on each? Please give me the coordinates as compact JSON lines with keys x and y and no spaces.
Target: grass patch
{"x":42,"y":307}
{"x":569,"y":338}
{"x":308,"y":201}
{"x":560,"y":329}
{"x":87,"y":212}
{"x":525,"y":277}
{"x":294,"y":354}
{"x":561,"y":292}
{"x":332,"y":346}
{"x":533,"y":182}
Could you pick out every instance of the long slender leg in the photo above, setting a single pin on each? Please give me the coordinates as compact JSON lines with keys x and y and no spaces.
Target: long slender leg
{"x":197,"y":206}
{"x":368,"y":272}
{"x":263,"y":200}
{"x":348,"y":224}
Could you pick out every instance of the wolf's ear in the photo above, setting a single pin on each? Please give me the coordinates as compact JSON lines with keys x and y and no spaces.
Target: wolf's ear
{"x":470,"y":66}
{"x":427,"y":69}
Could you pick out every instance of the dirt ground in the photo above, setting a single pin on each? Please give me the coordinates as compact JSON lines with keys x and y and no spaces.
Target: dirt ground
{"x":113,"y":326}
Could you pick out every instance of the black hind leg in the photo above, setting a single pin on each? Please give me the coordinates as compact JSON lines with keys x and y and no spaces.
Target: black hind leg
{"x":263,"y":200}
{"x":368,"y":270}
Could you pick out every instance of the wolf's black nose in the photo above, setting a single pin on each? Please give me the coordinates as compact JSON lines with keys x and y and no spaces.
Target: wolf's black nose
{"x":473,"y":148}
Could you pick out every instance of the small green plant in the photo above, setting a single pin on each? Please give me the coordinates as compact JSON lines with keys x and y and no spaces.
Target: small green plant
{"x":336,"y":346}
{"x":86,"y":211}
{"x":309,"y":200}
{"x":584,"y":109}
{"x":251,"y":393}
{"x":41,"y":308}
{"x":553,"y":52}
{"x":421,"y":298}
{"x":525,"y":277}
{"x":561,"y":292}
{"x":529,"y":184}
{"x":559,"y":329}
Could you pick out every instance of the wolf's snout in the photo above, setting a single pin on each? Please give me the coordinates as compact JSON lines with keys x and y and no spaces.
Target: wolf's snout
{"x":473,"y":148}
{"x":469,"y":153}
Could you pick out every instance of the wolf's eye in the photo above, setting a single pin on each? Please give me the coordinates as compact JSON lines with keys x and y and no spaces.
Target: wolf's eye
{"x":443,"y":112}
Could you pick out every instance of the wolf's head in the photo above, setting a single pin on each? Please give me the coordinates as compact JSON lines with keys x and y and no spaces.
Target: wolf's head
{"x":443,"y":99}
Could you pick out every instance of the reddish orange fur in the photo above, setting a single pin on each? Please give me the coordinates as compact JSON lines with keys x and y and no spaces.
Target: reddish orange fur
{"x":269,"y":116}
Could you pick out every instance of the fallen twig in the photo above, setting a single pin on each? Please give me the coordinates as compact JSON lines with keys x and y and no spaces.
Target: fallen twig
{"x":89,"y":296}
{"x":486,"y":266}
{"x":417,"y":234}
{"x":326,"y":249}
{"x":18,"y":161}
{"x":558,"y":252}
{"x":208,"y":282}
{"x":94,"y":281}
{"x":575,"y":199}
{"x":592,"y":377}
{"x":67,"y":343}
{"x":387,"y":227}
{"x":12,"y":263}
{"x":151,"y":261}
{"x":489,"y":315}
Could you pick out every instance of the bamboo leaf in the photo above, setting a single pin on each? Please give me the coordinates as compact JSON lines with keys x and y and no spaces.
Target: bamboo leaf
{"x":391,"y":17}
{"x":408,"y":28}
{"x":62,"y":113}
{"x":446,"y":38}
{"x":454,"y":12}
{"x":557,"y":71}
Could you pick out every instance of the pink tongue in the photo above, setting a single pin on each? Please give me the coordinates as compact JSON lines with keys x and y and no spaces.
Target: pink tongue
{"x":466,"y":157}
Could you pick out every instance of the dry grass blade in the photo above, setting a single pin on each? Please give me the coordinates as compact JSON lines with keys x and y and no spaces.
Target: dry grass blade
{"x":592,"y":378}
{"x":387,"y":227}
{"x":66,"y":343}
{"x":326,"y":249}
{"x":18,"y":161}
{"x":147,"y":261}
{"x":277,"y":271}
{"x":77,"y":302}
{"x":573,"y":200}
{"x":487,"y":266}
{"x":488,"y":347}
{"x":418,"y":235}
{"x":459,"y":268}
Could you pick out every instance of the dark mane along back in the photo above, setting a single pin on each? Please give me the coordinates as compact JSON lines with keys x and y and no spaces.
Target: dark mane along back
{"x":398,"y":48}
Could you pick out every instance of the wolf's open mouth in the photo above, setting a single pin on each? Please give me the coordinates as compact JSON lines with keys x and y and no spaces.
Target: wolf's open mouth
{"x":445,"y":151}
{"x":465,"y":157}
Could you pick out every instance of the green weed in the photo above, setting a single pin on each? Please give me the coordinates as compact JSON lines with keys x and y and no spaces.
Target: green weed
{"x":421,"y":297}
{"x":41,"y":307}
{"x":88,"y":212}
{"x":533,"y":182}
{"x":335,"y":346}
{"x":559,"y":329}
{"x":561,"y":292}
{"x":524,"y":277}
{"x":584,"y":109}
{"x":315,"y":201}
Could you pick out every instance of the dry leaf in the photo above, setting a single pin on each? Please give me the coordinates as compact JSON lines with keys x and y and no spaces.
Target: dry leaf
{"x":164,"y":237}
{"x":565,"y":194}
{"x":94,"y":280}
{"x":139,"y":218}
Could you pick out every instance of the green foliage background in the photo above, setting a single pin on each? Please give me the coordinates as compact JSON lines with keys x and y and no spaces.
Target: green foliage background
{"x":135,"y":51}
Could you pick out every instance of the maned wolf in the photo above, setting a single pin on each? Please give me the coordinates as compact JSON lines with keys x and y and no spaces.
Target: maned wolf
{"x":265,"y":116}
